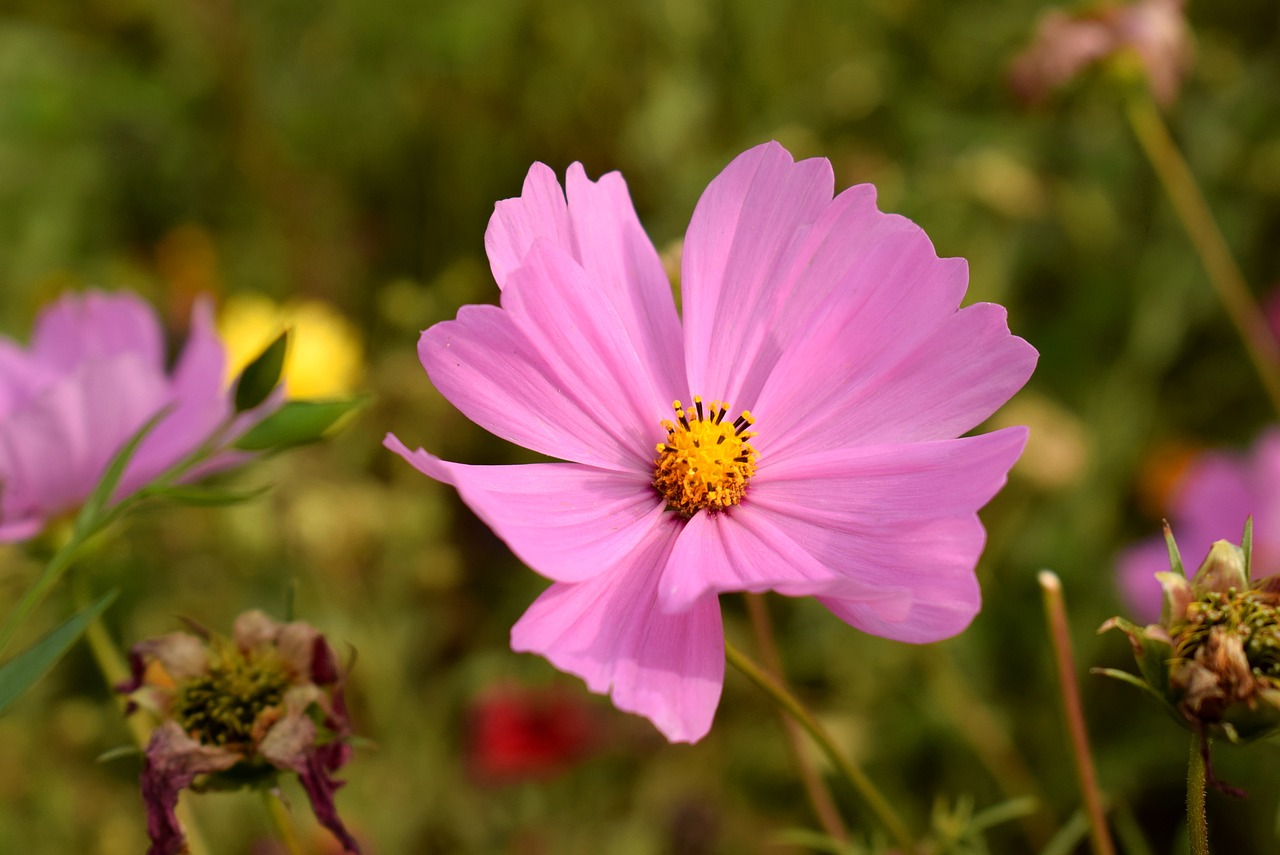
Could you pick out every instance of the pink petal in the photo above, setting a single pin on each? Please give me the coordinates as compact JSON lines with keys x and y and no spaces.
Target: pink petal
{"x":489,"y":370}
{"x":54,"y":451}
{"x":620,"y":259}
{"x":948,"y":383}
{"x":199,"y":399}
{"x":1138,"y":565}
{"x":598,"y":229}
{"x":610,"y":632}
{"x":574,"y":328}
{"x":897,"y":520}
{"x":22,"y":376}
{"x":566,"y":521}
{"x":739,"y":252}
{"x":1211,"y":502}
{"x":742,"y":549}
{"x":540,"y":212}
{"x":96,"y":325}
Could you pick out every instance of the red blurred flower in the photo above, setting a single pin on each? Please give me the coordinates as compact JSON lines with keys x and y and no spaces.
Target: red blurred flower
{"x":518,"y":733}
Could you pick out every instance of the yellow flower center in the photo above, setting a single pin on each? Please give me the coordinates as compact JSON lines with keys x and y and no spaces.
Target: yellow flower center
{"x":705,"y":463}
{"x":221,"y":706}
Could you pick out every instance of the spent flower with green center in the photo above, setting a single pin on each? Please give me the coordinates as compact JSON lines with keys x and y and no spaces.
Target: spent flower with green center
{"x":235,"y":712}
{"x":1214,"y":658}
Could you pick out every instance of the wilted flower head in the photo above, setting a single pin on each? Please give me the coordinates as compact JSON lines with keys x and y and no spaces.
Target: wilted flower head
{"x":820,"y":376}
{"x":236,"y":712}
{"x":94,"y":374}
{"x":1213,"y":494}
{"x":1214,"y":657}
{"x":1155,"y":32}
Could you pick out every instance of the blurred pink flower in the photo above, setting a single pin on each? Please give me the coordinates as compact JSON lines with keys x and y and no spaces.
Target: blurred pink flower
{"x":1210,"y":502}
{"x":835,"y":325}
{"x":94,"y":374}
{"x":1066,"y":44}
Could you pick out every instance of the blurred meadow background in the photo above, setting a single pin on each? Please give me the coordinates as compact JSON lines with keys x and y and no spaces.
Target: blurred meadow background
{"x":340,"y":160}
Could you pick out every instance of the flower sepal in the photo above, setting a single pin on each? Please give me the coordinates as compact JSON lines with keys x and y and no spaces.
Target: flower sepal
{"x":1214,"y":658}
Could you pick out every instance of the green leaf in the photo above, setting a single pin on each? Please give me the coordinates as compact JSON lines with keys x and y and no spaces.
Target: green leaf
{"x":1006,"y":811}
{"x":1246,"y":544}
{"x":88,"y":518}
{"x":262,"y":375}
{"x":296,"y":423}
{"x":206,"y":496}
{"x":1175,"y":557}
{"x":119,"y":752}
{"x":24,"y":670}
{"x":815,"y":841}
{"x":1069,"y":836}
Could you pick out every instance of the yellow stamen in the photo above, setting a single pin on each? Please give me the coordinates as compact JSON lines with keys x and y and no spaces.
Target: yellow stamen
{"x":705,"y":463}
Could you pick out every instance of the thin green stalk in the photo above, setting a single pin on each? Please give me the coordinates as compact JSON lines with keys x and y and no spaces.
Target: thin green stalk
{"x":878,"y":804}
{"x":1197,"y":821}
{"x":1197,"y":219}
{"x":92,"y":520}
{"x":284,"y":825}
{"x":1055,"y":612}
{"x":824,"y":806}
{"x":111,"y":664}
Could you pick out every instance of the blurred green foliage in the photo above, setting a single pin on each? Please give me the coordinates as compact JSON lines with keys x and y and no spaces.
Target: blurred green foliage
{"x":352,"y":151}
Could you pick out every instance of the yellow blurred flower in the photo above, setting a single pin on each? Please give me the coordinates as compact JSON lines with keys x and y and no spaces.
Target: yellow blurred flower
{"x":326,"y":355}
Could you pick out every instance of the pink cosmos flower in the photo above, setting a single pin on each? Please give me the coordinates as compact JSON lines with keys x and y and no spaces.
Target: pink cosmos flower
{"x":1066,"y":43}
{"x":94,"y":374}
{"x":825,"y":371}
{"x":1211,"y":502}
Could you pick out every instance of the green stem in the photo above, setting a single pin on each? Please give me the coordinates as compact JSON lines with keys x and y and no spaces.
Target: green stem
{"x":878,"y":804}
{"x":1055,"y":612}
{"x":1197,"y":219}
{"x":112,"y":665}
{"x":34,"y":595}
{"x":1197,"y":822}
{"x":824,"y":806}
{"x":284,"y":825}
{"x":92,"y":520}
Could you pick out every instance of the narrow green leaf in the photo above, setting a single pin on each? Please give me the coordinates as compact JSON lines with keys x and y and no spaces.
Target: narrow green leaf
{"x":262,"y":375}
{"x":296,"y":423}
{"x":1069,"y":836}
{"x":206,"y":496}
{"x":24,"y":670}
{"x":88,"y":518}
{"x":1006,"y":811}
{"x":1246,"y":544}
{"x":119,"y":752}
{"x":1175,"y":557}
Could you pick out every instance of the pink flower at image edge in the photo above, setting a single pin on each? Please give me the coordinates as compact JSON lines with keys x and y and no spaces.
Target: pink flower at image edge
{"x":93,"y":375}
{"x":1211,"y":502}
{"x":835,"y":325}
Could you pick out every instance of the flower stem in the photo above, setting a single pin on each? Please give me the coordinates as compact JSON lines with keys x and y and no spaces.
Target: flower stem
{"x":878,"y":804}
{"x":280,"y":818}
{"x":1055,"y":611}
{"x":111,"y":664}
{"x":1197,"y":219}
{"x":1197,"y":822}
{"x":819,"y":796}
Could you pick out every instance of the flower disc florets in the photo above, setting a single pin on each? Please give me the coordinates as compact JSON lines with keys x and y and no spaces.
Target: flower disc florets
{"x":705,"y":463}
{"x":221,"y":706}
